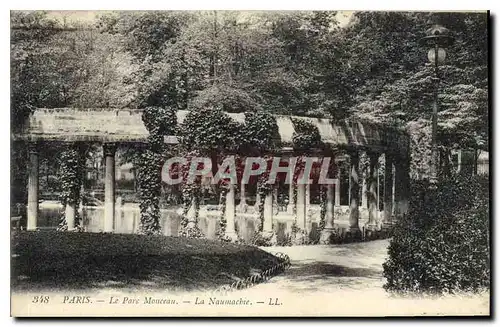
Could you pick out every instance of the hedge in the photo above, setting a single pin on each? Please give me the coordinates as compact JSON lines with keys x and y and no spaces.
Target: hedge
{"x":442,"y":245}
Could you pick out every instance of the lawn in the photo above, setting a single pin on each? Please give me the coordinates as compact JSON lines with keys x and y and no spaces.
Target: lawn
{"x":65,"y":261}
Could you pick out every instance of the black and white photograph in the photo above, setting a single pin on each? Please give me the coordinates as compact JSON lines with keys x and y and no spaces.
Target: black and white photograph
{"x":253,"y":163}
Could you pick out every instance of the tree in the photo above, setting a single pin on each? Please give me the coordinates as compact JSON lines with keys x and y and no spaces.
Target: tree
{"x":396,"y":87}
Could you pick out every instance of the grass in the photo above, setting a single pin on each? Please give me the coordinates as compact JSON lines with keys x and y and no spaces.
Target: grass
{"x":64,"y":260}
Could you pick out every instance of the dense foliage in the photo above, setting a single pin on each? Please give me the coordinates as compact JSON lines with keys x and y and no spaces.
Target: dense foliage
{"x":442,"y":246}
{"x":71,"y":176}
{"x":314,"y":63}
{"x":305,"y":136}
{"x":149,"y":161}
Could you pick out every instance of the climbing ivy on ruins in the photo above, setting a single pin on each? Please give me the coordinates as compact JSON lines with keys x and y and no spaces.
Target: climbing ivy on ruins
{"x":149,"y":162}
{"x":208,"y":132}
{"x":70,"y":173}
{"x":305,"y":137}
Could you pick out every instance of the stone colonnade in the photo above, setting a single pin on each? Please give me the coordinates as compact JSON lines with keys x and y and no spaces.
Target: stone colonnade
{"x":109,"y":190}
{"x":395,"y":197}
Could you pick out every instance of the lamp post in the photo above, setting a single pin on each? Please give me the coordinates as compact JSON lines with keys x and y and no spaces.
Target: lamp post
{"x":437,"y":39}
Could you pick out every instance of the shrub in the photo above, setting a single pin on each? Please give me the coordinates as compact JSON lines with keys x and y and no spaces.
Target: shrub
{"x":442,"y":245}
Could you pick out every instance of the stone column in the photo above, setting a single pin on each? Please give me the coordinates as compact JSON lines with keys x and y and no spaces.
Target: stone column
{"x":301,"y":206}
{"x":231,"y":213}
{"x":191,"y":214}
{"x":291,"y":201}
{"x":268,"y":212}
{"x":337,"y":192}
{"x":402,"y":181}
{"x":364,"y":193}
{"x":82,"y":194}
{"x":275,"y":200}
{"x":109,"y":187}
{"x":372,"y":192}
{"x":257,"y":201}
{"x":388,"y":184}
{"x":328,"y":231}
{"x":354,"y":230}
{"x":308,"y":196}
{"x":32,"y":210}
{"x":349,"y":188}
{"x":119,"y":213}
{"x":243,"y":200}
{"x":70,"y":215}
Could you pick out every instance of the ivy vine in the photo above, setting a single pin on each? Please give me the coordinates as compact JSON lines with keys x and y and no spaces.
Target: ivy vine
{"x":306,"y":135}
{"x":212,"y":132}
{"x":71,"y":177}
{"x":260,"y":132}
{"x":191,"y":194}
{"x":149,"y":162}
{"x":322,"y":201}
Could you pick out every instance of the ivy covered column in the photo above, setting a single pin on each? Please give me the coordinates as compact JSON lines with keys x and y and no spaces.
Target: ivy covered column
{"x":32,"y":210}
{"x":372,"y":191}
{"x":230,"y":213}
{"x":354,"y":230}
{"x":388,"y":185}
{"x":109,"y":187}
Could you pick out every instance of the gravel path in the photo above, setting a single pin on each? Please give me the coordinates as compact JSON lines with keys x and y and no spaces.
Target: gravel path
{"x":356,"y":266}
{"x":347,"y":280}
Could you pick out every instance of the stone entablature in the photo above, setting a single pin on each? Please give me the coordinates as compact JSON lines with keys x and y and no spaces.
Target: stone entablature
{"x":125,"y":125}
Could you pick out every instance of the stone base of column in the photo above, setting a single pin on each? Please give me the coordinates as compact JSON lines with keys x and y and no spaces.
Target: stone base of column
{"x":231,"y":235}
{"x":372,"y":232}
{"x":387,"y":224}
{"x":371,"y":227}
{"x":300,"y":238}
{"x":353,"y":234}
{"x":191,"y":231}
{"x":327,"y":235}
{"x":387,"y":228}
{"x":242,"y":207}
